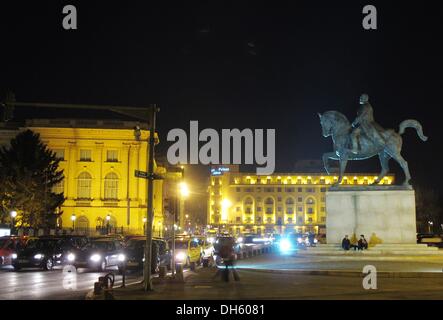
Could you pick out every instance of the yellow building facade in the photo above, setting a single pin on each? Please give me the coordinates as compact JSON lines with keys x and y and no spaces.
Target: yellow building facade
{"x":283,"y":202}
{"x":99,"y":160}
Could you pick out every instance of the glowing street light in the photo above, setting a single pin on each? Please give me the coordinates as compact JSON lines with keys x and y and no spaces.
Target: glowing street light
{"x":184,"y":190}
{"x":73,"y":217}
{"x":13,"y":215}
{"x":108,"y":218}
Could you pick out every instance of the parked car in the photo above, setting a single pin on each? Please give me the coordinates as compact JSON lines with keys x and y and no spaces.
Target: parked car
{"x":188,"y":251}
{"x":9,"y":245}
{"x":432,"y":240}
{"x":43,"y":253}
{"x":135,"y":254}
{"x":98,"y":254}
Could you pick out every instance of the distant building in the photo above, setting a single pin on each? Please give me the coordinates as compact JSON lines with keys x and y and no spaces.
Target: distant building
{"x":283,"y":202}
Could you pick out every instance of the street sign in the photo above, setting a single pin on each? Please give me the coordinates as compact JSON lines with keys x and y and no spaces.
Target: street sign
{"x":145,"y":175}
{"x":141,"y":174}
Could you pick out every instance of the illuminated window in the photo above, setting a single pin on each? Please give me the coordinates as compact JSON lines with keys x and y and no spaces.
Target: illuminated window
{"x":289,"y":210}
{"x":111,"y":186}
{"x":60,"y":154}
{"x":268,"y":210}
{"x":300,"y":209}
{"x":310,"y":210}
{"x":84,"y":186}
{"x":85,"y":155}
{"x":112,"y":156}
{"x":59,"y":187}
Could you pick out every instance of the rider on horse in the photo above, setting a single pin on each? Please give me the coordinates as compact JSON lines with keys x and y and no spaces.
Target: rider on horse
{"x":366,"y":125}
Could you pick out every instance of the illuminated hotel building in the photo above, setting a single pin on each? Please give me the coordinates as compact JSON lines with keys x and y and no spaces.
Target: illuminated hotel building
{"x":282,"y":202}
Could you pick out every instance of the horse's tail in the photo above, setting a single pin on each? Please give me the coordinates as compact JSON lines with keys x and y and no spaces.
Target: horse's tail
{"x":412,"y":124}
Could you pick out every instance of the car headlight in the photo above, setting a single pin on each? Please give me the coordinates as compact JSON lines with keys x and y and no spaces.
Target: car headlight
{"x":71,"y":257}
{"x":121,"y":257}
{"x":38,"y":256}
{"x":285,"y":245}
{"x":58,"y":255}
{"x":14,"y":256}
{"x":315,"y":240}
{"x":96,"y":257}
{"x":180,"y":256}
{"x":300,"y":240}
{"x":143,"y":259}
{"x":240,"y":240}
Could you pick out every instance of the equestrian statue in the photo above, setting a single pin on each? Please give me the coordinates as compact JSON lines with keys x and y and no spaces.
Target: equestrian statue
{"x":365,"y":138}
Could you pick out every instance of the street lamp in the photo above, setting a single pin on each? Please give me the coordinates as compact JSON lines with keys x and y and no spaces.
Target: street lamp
{"x":144,"y":224}
{"x":13,"y":215}
{"x":73,"y":217}
{"x":430,"y":224}
{"x":108,"y":218}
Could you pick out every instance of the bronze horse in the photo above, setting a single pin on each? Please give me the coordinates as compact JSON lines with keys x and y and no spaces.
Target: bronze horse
{"x":336,"y":125}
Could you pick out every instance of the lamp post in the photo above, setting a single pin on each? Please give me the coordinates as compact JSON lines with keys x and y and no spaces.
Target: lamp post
{"x":108,"y":218}
{"x":144,"y":224}
{"x":430,"y":224}
{"x":73,"y":217}
{"x":13,"y":215}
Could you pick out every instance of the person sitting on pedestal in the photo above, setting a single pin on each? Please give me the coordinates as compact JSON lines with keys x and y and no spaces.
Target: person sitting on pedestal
{"x":362,"y":243}
{"x":346,"y":243}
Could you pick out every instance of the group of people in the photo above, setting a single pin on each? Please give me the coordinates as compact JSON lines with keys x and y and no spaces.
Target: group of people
{"x":362,"y":243}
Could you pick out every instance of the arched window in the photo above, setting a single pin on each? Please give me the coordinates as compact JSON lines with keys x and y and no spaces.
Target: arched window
{"x":82,"y":224}
{"x":84,"y":186}
{"x":289,"y":201}
{"x":111,"y":186}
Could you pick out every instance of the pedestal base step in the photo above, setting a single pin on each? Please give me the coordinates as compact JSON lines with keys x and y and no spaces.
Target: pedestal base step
{"x":379,"y":249}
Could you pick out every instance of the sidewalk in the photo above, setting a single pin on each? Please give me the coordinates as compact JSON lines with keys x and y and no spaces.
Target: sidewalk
{"x":255,"y":285}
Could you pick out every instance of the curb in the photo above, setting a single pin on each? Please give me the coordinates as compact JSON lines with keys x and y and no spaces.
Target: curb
{"x":349,"y":273}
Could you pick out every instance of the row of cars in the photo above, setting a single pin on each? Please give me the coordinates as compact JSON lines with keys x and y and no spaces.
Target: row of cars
{"x":100,"y":253}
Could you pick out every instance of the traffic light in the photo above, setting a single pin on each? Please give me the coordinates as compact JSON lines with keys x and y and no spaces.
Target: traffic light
{"x":8,"y":107}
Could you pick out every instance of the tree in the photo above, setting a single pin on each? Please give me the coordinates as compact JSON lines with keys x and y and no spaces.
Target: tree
{"x":428,"y":208}
{"x":28,"y":174}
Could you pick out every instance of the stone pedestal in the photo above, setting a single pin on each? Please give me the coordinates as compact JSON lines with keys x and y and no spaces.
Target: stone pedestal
{"x":383,"y":214}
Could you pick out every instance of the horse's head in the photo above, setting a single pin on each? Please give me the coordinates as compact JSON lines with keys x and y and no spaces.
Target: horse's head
{"x":333,"y":121}
{"x":325,"y":125}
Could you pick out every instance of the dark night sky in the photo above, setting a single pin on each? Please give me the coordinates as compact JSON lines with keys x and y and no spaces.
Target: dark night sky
{"x":245,"y":66}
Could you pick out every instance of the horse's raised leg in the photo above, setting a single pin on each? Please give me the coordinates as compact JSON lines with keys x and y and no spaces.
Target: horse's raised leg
{"x":327,"y":156}
{"x":384,"y":161}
